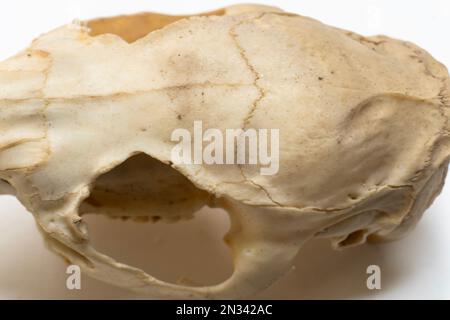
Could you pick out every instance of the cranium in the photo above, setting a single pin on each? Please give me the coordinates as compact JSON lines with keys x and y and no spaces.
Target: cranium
{"x":364,"y":143}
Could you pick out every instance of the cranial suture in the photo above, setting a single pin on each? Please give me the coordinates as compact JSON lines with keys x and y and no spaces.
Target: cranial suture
{"x":87,"y":112}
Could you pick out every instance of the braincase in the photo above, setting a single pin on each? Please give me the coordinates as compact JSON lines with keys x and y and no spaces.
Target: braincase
{"x":345,"y":106}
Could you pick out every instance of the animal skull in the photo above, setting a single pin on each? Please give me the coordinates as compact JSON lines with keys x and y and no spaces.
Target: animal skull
{"x":364,"y":135}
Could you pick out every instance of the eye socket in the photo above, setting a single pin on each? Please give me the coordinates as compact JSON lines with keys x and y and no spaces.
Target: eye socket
{"x":164,"y":228}
{"x":143,"y":188}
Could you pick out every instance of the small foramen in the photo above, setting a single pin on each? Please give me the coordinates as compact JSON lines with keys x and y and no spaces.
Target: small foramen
{"x":186,"y":310}
{"x":228,"y":148}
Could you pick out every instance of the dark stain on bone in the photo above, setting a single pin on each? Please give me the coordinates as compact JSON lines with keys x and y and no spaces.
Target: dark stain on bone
{"x":353,"y":196}
{"x":93,"y":202}
{"x":155,"y":219}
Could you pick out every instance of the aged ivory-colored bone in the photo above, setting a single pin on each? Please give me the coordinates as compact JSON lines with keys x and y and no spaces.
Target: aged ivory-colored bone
{"x":86,"y":115}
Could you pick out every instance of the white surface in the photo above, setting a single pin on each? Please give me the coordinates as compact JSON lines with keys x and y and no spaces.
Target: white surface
{"x":416,"y":267}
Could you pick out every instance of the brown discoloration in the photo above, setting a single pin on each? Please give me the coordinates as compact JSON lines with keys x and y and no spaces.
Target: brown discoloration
{"x":133,"y":27}
{"x":40,"y":53}
{"x":93,"y":202}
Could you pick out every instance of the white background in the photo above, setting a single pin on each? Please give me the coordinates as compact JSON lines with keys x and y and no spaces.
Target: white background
{"x":415,"y":267}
